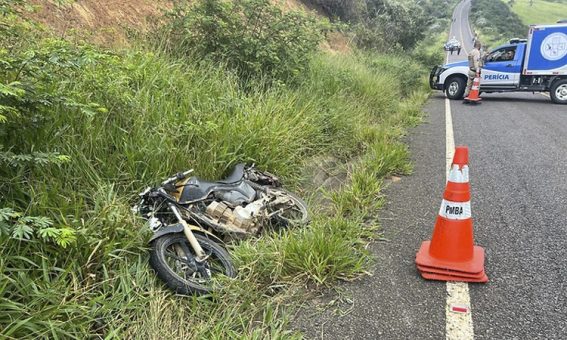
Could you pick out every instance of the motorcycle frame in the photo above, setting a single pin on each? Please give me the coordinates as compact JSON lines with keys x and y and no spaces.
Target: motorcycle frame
{"x":174,"y":205}
{"x":178,"y":228}
{"x":201,"y":256}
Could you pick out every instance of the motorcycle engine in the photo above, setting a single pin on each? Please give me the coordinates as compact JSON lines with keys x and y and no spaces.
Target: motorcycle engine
{"x":240,"y":218}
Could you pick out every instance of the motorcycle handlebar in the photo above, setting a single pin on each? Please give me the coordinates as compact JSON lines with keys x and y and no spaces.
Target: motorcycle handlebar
{"x":161,"y":192}
{"x":177,"y":177}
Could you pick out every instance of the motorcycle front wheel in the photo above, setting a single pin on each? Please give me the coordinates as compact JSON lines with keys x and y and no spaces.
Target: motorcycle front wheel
{"x":288,"y":215}
{"x":174,"y":262}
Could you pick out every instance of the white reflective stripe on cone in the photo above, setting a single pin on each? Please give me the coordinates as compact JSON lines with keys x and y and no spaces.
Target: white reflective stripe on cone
{"x":459,"y":175}
{"x":455,"y":210}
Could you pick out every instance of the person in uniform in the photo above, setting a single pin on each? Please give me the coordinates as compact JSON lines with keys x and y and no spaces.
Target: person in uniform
{"x":475,"y":63}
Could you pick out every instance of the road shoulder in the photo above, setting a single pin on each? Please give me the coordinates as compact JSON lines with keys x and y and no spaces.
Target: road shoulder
{"x":394,"y":302}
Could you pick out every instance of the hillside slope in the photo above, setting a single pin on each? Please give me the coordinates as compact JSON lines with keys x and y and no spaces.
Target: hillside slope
{"x":102,"y":21}
{"x":541,"y":11}
{"x":109,"y":22}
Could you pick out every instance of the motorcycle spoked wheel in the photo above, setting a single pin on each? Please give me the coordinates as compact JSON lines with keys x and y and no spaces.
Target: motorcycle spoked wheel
{"x":173,"y":260}
{"x":291,"y":216}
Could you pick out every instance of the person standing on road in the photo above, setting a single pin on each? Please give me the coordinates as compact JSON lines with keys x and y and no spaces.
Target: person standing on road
{"x":475,"y":62}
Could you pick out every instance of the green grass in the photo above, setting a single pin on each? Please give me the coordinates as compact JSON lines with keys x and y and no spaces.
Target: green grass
{"x":430,"y":51}
{"x":541,"y":12}
{"x":126,"y":120}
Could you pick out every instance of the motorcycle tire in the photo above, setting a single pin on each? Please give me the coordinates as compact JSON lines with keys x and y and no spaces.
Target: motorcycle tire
{"x":300,"y":217}
{"x":181,"y":274}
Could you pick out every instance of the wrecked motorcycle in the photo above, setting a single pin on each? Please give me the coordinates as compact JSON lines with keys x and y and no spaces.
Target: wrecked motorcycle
{"x":190,"y":217}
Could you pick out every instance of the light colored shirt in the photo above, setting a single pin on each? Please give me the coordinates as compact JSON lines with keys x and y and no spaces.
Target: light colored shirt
{"x":474,"y":59}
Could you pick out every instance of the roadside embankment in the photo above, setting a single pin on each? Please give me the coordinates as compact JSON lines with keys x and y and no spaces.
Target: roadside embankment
{"x":84,"y":129}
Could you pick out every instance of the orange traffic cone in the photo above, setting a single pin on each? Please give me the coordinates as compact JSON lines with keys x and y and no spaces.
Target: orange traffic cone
{"x":451,"y":254}
{"x":474,"y":95}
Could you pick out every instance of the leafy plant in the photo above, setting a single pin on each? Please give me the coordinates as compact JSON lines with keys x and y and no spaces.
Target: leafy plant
{"x":24,"y":228}
{"x":253,"y":37}
{"x":28,"y":91}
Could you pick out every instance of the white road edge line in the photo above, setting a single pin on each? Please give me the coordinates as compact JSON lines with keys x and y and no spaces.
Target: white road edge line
{"x":458,"y":326}
{"x":449,"y":138}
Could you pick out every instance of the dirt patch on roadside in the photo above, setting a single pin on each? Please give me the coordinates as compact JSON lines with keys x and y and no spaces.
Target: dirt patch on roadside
{"x":337,"y":42}
{"x":104,"y":22}
{"x":112,"y":22}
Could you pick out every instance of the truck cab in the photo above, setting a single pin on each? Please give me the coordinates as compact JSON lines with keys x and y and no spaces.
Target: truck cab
{"x":536,"y":64}
{"x":500,"y":71}
{"x":502,"y":67}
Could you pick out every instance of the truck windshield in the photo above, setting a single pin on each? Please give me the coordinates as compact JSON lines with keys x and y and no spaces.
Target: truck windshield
{"x":502,"y":54}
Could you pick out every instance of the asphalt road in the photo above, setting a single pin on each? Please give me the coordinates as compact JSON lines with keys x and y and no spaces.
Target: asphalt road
{"x":518,"y":158}
{"x":461,"y":30}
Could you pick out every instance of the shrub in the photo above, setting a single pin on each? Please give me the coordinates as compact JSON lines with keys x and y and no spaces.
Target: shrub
{"x":348,"y":11}
{"x":383,"y":25}
{"x":253,"y":37}
{"x":400,"y":23}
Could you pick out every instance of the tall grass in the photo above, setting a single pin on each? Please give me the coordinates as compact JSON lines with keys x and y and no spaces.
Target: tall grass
{"x":165,"y":115}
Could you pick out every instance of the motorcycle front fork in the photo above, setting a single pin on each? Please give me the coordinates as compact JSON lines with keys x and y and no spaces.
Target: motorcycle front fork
{"x":201,"y":256}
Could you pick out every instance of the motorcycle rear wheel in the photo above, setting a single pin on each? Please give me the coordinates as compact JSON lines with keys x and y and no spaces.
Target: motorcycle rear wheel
{"x":173,"y":260}
{"x":296,"y":215}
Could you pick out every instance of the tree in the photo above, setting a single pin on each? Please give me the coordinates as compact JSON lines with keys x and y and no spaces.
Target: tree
{"x":393,"y":25}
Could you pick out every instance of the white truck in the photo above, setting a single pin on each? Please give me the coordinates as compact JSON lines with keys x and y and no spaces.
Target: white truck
{"x":538,"y":64}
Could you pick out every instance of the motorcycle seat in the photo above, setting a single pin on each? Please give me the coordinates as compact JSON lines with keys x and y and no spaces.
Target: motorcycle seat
{"x":236,"y":175}
{"x":196,"y":188}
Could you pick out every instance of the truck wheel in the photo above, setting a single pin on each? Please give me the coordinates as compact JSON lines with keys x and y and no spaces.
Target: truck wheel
{"x":455,"y":88}
{"x":558,"y":91}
